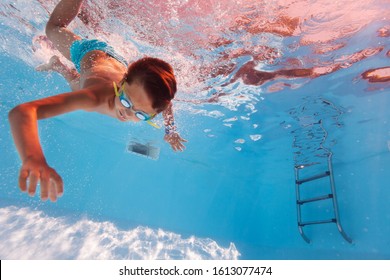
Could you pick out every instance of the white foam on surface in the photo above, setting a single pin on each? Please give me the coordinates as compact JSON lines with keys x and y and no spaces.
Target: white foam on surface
{"x":30,"y":234}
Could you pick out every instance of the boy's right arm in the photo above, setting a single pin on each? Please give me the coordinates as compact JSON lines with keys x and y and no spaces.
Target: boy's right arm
{"x":24,"y":127}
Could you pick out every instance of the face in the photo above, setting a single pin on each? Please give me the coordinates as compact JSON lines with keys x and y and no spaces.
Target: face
{"x":135,"y":97}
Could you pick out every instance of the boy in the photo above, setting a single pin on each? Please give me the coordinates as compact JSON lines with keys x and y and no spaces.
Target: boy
{"x":103,"y":83}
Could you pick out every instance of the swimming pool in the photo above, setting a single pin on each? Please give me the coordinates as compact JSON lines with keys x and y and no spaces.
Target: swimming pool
{"x":251,"y":74}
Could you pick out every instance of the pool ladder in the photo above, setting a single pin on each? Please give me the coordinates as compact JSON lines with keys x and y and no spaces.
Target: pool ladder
{"x":332,"y":195}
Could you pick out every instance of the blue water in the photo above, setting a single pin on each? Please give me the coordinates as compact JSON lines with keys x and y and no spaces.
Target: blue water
{"x":229,"y":195}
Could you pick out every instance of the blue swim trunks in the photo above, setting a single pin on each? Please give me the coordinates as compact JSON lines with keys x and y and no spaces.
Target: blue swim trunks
{"x":80,"y":48}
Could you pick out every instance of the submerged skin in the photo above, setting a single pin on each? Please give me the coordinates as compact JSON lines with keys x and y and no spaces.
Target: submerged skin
{"x":92,"y":91}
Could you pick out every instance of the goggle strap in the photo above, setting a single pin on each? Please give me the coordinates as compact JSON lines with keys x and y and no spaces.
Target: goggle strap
{"x":153,"y":124}
{"x":115,"y":89}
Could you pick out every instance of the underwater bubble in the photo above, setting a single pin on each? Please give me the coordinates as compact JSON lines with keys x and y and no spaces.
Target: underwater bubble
{"x":256,"y":137}
{"x":240,"y":141}
{"x":251,"y":107}
{"x":231,"y":119}
{"x":215,"y":114}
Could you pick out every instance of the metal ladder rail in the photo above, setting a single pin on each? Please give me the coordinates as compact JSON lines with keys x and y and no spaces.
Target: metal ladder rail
{"x":332,"y":196}
{"x":334,"y":200}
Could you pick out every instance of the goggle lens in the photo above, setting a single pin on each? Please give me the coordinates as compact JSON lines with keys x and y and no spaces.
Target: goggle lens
{"x":141,"y":116}
{"x":125,"y":103}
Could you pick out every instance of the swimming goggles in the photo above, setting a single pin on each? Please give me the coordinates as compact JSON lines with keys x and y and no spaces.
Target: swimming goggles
{"x":126,"y":102}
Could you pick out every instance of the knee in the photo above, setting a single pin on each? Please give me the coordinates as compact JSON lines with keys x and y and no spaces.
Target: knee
{"x":53,"y":31}
{"x":50,"y":28}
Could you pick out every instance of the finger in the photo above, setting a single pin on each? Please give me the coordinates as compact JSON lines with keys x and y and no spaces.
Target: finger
{"x":32,"y":184}
{"x":52,"y":191}
{"x":23,"y":180}
{"x":181,"y":148}
{"x":59,"y":185}
{"x":45,"y":180}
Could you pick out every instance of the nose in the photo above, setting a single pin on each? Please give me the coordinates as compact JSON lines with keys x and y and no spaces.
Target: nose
{"x":130,"y":115}
{"x":128,"y":112}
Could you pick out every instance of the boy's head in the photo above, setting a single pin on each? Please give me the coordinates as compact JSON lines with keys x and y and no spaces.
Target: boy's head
{"x":157,"y":78}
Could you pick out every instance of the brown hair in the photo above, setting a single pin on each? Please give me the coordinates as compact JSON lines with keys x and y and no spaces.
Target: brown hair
{"x":157,"y":78}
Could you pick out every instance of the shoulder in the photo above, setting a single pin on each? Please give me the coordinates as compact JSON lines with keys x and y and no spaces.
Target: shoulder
{"x":98,"y":95}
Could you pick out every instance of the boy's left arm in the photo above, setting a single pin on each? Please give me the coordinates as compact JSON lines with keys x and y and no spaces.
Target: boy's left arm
{"x":171,"y":135}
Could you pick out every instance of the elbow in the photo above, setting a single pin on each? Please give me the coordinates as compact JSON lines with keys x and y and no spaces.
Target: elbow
{"x":48,"y":30}
{"x":14,"y":113}
{"x":51,"y":30}
{"x":17,"y":112}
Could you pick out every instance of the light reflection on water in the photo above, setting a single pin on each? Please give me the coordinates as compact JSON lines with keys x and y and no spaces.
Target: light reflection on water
{"x":207,"y":39}
{"x":29,"y":234}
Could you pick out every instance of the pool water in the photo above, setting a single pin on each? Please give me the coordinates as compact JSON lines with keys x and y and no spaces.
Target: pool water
{"x":231,"y":193}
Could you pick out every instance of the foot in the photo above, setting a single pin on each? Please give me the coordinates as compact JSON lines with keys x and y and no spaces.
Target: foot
{"x":54,"y":64}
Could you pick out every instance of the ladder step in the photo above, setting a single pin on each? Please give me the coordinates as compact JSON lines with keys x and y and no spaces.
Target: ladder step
{"x":317,"y":222}
{"x":315,"y":177}
{"x":303,"y":201}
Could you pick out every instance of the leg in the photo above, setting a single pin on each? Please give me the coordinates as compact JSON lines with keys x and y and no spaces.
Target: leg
{"x":56,"y":31}
{"x":70,"y":74}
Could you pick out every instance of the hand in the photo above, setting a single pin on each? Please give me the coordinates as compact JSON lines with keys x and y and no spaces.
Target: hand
{"x":35,"y":170}
{"x":175,"y":140}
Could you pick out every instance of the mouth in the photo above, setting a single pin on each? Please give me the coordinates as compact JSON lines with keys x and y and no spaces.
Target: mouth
{"x":121,"y":116}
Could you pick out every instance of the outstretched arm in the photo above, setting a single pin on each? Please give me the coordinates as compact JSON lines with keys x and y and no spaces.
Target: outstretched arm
{"x":171,"y":135}
{"x":23,"y":120}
